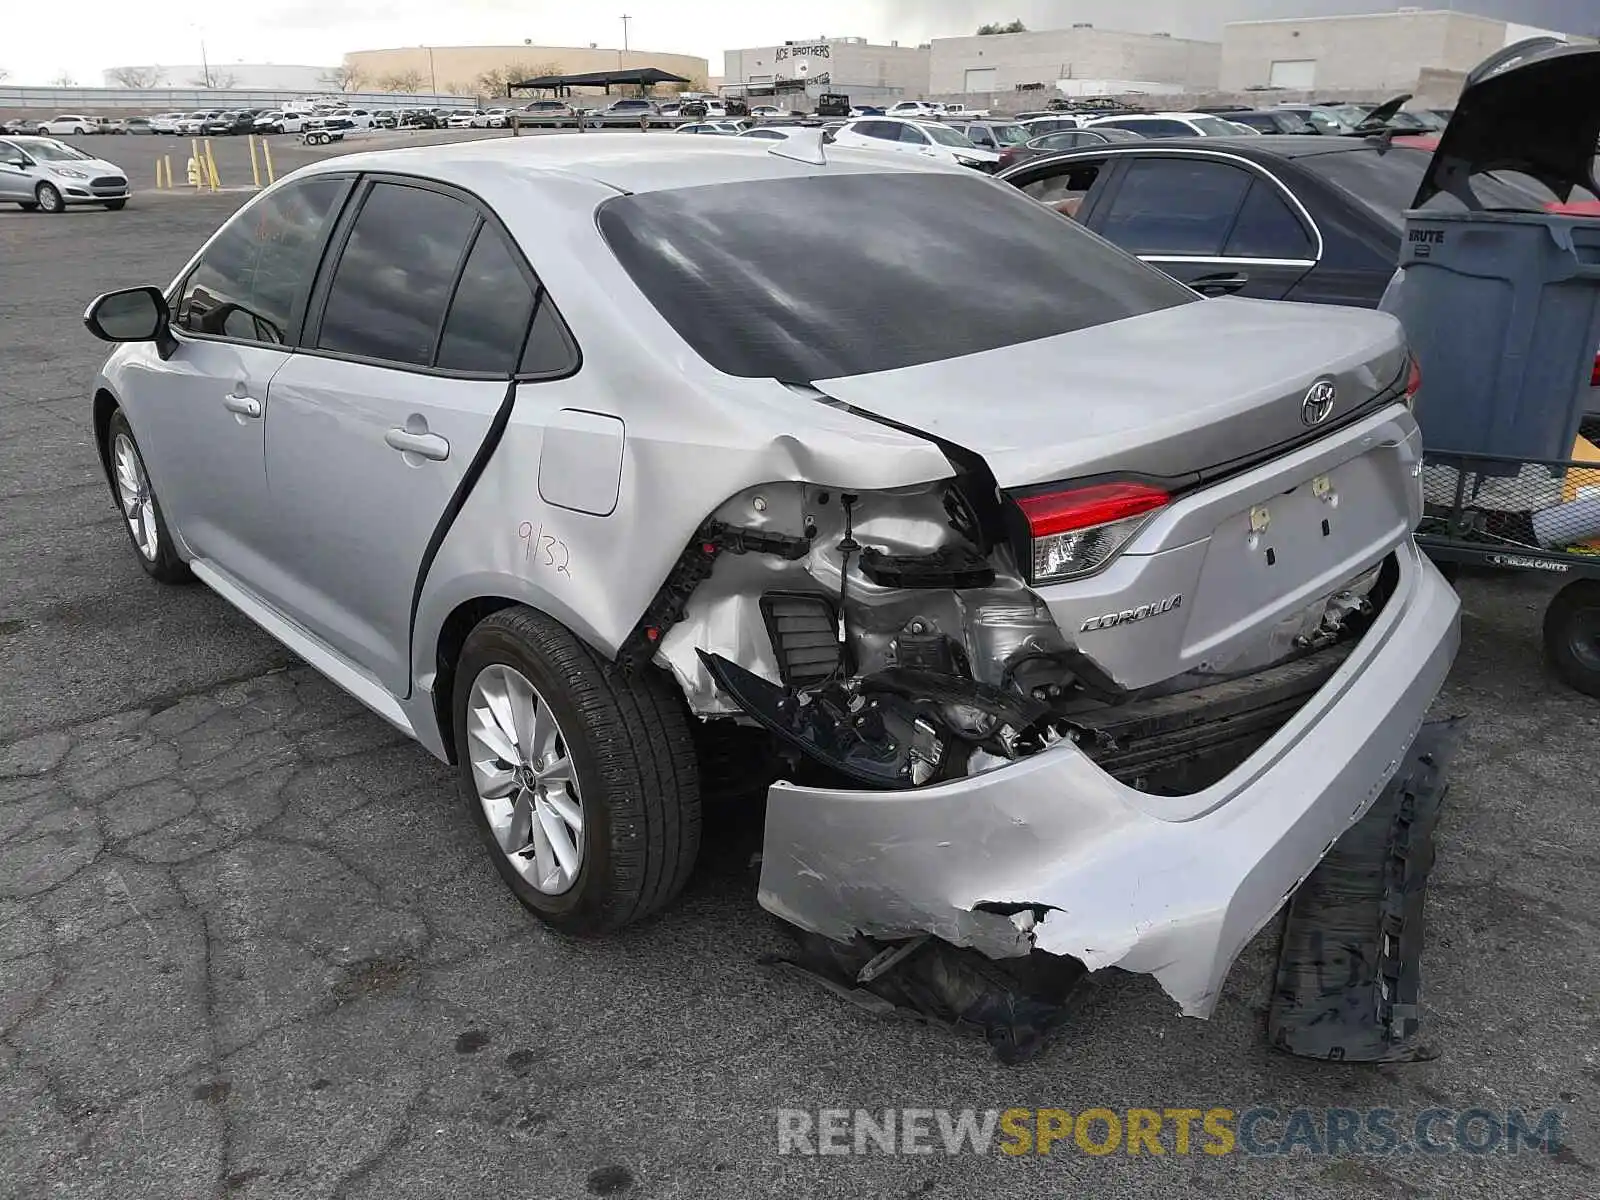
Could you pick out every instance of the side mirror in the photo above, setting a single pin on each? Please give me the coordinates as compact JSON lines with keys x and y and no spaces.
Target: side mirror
{"x":132,"y":315}
{"x":23,"y":162}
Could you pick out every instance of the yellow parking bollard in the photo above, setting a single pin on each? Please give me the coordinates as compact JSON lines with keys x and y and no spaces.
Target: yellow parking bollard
{"x":211,"y":168}
{"x":255,"y":167}
{"x":166,"y":160}
{"x":194,"y":164}
{"x":266,"y":153}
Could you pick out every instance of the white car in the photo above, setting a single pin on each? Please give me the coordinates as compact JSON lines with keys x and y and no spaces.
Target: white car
{"x":767,"y":110}
{"x":287,"y":120}
{"x":189,"y":124}
{"x":927,"y":138}
{"x":165,"y":123}
{"x":56,"y":126}
{"x":917,"y":108}
{"x":491,"y":118}
{"x":722,"y":128}
{"x":961,"y":110}
{"x":1169,"y":124}
{"x":460,"y":120}
{"x":40,"y":174}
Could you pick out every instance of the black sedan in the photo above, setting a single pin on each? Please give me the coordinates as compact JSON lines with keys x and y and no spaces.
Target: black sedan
{"x":238,"y":121}
{"x":1283,"y":218}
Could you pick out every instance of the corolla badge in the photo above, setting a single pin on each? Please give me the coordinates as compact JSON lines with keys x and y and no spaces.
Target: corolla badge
{"x":1317,"y":407}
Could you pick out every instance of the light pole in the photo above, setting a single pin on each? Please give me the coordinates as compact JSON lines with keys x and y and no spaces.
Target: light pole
{"x":433,"y":79}
{"x":622,"y":59}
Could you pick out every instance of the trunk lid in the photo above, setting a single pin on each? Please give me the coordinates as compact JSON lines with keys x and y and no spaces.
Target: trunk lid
{"x":1173,"y":394}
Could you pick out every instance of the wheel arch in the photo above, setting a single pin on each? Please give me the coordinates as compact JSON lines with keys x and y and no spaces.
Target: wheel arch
{"x":437,"y":641}
{"x":104,"y":405}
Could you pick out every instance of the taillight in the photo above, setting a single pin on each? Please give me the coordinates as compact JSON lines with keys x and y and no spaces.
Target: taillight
{"x":1076,"y":531}
{"x":1413,"y":381}
{"x":1594,"y":378}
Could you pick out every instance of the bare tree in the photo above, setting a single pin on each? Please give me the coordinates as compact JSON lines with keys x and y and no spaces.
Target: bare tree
{"x":695,"y":84}
{"x":64,"y":79}
{"x":141,"y":78}
{"x":498,"y":81}
{"x":402,"y":81}
{"x":345,"y":78}
{"x":4,"y":74}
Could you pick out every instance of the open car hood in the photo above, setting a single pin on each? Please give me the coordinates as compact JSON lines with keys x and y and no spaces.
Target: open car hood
{"x":1506,"y":120}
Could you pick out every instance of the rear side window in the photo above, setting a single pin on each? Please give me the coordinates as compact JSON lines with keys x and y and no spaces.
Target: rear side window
{"x":1267,"y":227}
{"x":780,"y":278}
{"x":1175,"y":206}
{"x":250,"y":280}
{"x":392,"y":285}
{"x":490,"y":313}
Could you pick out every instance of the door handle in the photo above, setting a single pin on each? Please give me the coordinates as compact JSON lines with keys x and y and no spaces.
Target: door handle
{"x":1220,"y":285}
{"x":428,"y":445}
{"x":245,"y":406}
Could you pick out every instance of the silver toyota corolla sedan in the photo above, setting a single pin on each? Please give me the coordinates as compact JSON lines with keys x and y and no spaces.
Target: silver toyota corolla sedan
{"x":1071,"y":612}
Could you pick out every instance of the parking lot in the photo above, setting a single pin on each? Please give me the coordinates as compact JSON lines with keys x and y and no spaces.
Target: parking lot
{"x":251,"y":945}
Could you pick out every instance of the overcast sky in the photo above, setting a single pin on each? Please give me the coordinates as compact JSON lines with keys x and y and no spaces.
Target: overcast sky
{"x":39,"y":42}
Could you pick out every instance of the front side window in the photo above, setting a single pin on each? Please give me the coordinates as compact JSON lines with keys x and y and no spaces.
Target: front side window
{"x":1175,"y":206}
{"x":392,"y":285}
{"x":251,"y":280}
{"x":910,"y":133}
{"x":779,"y":278}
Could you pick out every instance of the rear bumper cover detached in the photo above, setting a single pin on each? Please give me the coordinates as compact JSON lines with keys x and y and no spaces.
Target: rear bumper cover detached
{"x":1051,"y":853}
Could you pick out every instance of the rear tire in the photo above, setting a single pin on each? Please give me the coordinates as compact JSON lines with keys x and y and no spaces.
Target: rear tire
{"x":1572,"y":636}
{"x":634,"y":781}
{"x":142,"y":517}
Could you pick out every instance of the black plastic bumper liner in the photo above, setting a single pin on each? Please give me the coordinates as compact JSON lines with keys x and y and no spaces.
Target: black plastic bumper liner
{"x":1350,"y":964}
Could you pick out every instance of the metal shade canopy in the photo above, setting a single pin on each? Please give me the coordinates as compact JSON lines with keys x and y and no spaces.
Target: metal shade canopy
{"x":1509,"y":119}
{"x":638,"y":77}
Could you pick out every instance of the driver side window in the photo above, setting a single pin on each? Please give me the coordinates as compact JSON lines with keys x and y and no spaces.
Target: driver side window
{"x":252,"y":281}
{"x":910,"y":133}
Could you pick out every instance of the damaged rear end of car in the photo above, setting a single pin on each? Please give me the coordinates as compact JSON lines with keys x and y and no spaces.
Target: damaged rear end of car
{"x":1108,"y":691}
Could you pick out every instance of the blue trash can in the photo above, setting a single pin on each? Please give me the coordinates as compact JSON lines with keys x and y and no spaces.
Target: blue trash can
{"x":1502,"y":310}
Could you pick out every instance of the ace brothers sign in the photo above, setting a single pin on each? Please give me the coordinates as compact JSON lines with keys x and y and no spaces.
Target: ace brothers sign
{"x":815,"y":50}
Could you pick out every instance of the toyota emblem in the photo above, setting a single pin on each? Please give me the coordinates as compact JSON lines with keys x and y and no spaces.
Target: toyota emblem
{"x":1319,"y":401}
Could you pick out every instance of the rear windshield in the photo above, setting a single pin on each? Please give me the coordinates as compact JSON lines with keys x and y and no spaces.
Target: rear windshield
{"x":1386,"y":183}
{"x":787,"y":279}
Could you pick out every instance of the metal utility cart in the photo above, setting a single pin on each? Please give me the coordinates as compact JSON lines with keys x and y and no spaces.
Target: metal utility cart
{"x":1502,"y":310}
{"x":1537,"y":519}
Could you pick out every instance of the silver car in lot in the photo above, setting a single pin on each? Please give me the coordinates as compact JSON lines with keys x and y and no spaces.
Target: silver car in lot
{"x":1082,"y":619}
{"x":41,"y":174}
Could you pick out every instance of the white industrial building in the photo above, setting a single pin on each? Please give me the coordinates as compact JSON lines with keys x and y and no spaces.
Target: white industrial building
{"x":852,"y":65}
{"x":1381,"y":52}
{"x":1063,"y":59}
{"x":260,"y":77}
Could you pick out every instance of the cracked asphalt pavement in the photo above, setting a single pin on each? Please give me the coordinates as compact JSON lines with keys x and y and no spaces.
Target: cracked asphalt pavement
{"x":250,"y":946}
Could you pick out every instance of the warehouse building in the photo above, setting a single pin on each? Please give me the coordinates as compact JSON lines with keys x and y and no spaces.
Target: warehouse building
{"x":865,"y":72}
{"x":1113,"y":60}
{"x":1379,"y":53}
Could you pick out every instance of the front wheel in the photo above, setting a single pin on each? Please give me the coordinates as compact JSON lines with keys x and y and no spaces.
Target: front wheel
{"x":580,"y":776}
{"x":141,"y":511}
{"x":49,"y":198}
{"x":1572,"y":636}
{"x":116,"y":205}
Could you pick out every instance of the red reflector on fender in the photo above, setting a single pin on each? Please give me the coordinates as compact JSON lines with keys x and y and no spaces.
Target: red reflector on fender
{"x":1413,"y":379}
{"x":1594,"y":379}
{"x":1085,"y":507}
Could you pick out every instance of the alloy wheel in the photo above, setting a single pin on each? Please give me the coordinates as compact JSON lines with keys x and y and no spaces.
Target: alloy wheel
{"x":49,"y":198}
{"x":133,"y":491}
{"x":525,"y":777}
